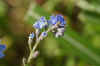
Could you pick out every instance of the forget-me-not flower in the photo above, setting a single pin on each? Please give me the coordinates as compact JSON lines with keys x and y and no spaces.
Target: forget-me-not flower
{"x":60,"y":19}
{"x":2,"y":48}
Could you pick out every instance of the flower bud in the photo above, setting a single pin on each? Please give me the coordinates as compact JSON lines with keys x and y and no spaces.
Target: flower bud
{"x":31,"y":36}
{"x":36,"y":53}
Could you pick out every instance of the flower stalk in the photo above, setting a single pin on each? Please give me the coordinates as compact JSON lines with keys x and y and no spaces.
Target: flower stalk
{"x":53,"y":24}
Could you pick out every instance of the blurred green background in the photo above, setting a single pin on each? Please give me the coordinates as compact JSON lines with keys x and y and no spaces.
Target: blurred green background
{"x":80,"y":46}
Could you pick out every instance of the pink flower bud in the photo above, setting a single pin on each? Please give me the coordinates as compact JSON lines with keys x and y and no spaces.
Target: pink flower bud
{"x":36,"y":53}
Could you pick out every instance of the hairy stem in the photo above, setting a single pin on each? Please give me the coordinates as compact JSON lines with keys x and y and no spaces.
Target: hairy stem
{"x":37,"y":43}
{"x":32,"y":51}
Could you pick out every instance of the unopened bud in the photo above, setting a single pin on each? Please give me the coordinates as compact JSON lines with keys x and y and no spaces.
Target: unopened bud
{"x":36,"y":53}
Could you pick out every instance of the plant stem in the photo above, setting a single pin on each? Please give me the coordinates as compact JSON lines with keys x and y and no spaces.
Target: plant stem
{"x":37,"y":43}
{"x":32,"y":51}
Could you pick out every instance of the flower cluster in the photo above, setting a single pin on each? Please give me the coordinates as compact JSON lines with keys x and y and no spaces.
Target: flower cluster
{"x":2,"y":48}
{"x":57,"y":23}
{"x":41,"y":23}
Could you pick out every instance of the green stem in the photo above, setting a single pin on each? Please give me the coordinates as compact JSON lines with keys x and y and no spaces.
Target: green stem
{"x":37,"y":43}
{"x":32,"y":51}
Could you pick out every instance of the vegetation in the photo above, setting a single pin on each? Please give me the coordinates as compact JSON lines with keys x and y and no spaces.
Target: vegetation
{"x":80,"y":45}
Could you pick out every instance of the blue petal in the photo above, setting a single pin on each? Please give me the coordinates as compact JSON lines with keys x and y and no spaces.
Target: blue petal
{"x":60,"y":18}
{"x":49,"y":22}
{"x":31,"y":35}
{"x":43,"y":19}
{"x":40,"y":24}
{"x":1,"y":55}
{"x":2,"y":47}
{"x":36,"y":25}
{"x":53,"y":19}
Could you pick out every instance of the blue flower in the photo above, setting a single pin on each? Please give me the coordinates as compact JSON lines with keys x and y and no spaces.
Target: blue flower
{"x":53,"y":20}
{"x":43,"y":19}
{"x":31,"y":35}
{"x":2,"y":48}
{"x":36,"y":25}
{"x":41,"y":23}
{"x":44,"y":34}
{"x":1,"y":55}
{"x":60,"y":18}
